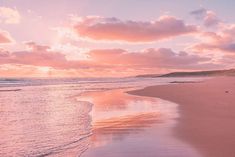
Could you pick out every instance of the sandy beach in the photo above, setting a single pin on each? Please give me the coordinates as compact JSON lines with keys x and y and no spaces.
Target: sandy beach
{"x":207,"y":113}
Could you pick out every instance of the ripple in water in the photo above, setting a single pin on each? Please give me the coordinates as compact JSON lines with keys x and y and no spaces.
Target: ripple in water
{"x":60,"y":121}
{"x":43,"y":122}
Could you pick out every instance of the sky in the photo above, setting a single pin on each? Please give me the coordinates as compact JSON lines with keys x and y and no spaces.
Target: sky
{"x":114,"y":38}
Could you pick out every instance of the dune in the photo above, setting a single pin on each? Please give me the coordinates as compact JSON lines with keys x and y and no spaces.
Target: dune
{"x":207,"y":112}
{"x":211,"y":73}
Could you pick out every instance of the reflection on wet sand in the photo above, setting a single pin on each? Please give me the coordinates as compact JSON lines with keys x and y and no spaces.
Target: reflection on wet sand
{"x":120,"y":127}
{"x":116,"y":103}
{"x":132,"y":126}
{"x":126,"y":123}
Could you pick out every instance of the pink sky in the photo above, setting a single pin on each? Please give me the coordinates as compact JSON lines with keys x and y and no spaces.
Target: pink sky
{"x":70,"y":39}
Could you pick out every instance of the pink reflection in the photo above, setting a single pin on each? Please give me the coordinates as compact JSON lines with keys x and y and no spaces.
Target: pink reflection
{"x":116,"y":103}
{"x":130,"y":126}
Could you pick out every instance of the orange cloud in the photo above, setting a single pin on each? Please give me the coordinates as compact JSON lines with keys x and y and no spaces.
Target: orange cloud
{"x":9,"y":15}
{"x":113,"y":29}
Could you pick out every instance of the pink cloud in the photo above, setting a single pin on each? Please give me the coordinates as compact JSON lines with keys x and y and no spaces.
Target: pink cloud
{"x":107,"y":62}
{"x":209,"y":17}
{"x":39,"y":55}
{"x":113,"y":29}
{"x":150,"y":58}
{"x":9,"y":15}
{"x":223,"y":40}
{"x":5,"y":37}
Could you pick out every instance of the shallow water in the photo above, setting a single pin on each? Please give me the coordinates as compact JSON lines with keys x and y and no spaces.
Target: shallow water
{"x":88,"y":120}
{"x":131,"y":126}
{"x":42,"y":124}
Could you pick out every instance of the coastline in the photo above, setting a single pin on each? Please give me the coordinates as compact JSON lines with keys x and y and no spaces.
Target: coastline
{"x":207,"y":113}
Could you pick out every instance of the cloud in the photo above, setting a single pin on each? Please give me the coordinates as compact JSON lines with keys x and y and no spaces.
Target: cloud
{"x":39,"y":55}
{"x":5,"y":37}
{"x":222,"y":40}
{"x":106,"y":62}
{"x":9,"y":16}
{"x":113,"y":29}
{"x":199,"y":13}
{"x":209,"y":17}
{"x":149,"y":58}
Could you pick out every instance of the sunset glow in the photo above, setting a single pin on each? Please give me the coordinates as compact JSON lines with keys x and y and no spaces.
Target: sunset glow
{"x":87,"y":39}
{"x":117,"y":78}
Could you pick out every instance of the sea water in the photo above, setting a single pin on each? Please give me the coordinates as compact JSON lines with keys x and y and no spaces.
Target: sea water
{"x":89,"y":117}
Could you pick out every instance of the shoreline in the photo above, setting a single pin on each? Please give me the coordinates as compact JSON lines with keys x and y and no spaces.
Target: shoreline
{"x":207,"y":113}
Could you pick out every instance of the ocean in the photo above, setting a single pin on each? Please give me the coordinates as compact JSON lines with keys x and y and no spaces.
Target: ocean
{"x":88,"y":117}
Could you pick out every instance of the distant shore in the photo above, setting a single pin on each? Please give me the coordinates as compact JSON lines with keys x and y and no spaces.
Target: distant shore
{"x":207,"y":112}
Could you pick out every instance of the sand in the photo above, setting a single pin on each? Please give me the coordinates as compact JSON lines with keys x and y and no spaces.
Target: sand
{"x":207,"y":113}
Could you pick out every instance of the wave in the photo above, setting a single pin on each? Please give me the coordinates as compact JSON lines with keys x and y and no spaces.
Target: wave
{"x":80,"y":145}
{"x":10,"y":90}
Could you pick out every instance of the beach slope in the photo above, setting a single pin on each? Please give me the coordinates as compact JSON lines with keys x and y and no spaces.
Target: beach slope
{"x":207,"y":111}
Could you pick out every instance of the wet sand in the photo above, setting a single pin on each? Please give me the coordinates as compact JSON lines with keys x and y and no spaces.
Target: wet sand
{"x":207,"y":113}
{"x":125,"y":125}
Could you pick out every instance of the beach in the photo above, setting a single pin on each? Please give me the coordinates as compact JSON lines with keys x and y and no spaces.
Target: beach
{"x":207,"y":113}
{"x":88,"y":118}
